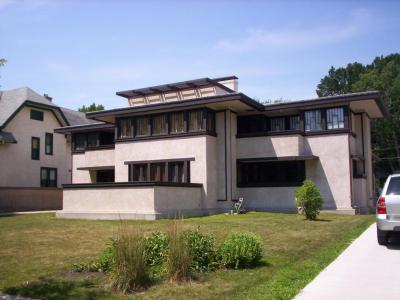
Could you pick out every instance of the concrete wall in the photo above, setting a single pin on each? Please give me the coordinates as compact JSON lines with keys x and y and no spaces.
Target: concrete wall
{"x":17,"y":168}
{"x":131,"y":202}
{"x":30,"y":199}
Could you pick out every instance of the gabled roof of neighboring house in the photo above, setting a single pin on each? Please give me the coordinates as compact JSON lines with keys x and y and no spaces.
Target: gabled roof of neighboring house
{"x":76,"y":118}
{"x":11,"y":101}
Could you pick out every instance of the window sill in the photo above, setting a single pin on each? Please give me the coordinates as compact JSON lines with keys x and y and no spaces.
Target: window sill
{"x":102,"y":147}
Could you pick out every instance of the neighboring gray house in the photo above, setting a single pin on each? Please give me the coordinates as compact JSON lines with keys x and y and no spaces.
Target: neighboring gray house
{"x":34,"y":161}
{"x":193,"y":147}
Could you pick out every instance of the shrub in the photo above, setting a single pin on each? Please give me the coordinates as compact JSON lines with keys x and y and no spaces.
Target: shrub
{"x":309,"y":199}
{"x":201,"y":248}
{"x":240,"y":250}
{"x":179,"y":259}
{"x":130,"y":271}
{"x":156,"y":248}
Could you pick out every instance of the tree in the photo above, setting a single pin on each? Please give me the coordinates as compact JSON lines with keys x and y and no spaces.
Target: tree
{"x":383,"y":74}
{"x":91,"y":107}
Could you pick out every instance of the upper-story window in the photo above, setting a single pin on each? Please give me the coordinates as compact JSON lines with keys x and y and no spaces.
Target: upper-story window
{"x":196,"y":120}
{"x":36,"y":115}
{"x":93,"y":140}
{"x":35,"y":148}
{"x":125,"y":128}
{"x":160,"y":124}
{"x":277,"y":124}
{"x":177,"y":122}
{"x":251,"y":124}
{"x":312,"y":120}
{"x":48,"y":150}
{"x":294,"y":123}
{"x":335,"y":118}
{"x":199,"y":120}
{"x":142,"y":126}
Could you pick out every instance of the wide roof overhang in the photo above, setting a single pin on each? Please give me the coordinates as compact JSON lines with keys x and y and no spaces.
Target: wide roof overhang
{"x":236,"y":102}
{"x":363,"y":102}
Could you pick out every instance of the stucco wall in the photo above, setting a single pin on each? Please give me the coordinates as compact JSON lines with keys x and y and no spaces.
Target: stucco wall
{"x":269,"y":198}
{"x":17,"y":167}
{"x":331,"y":172}
{"x":94,"y":158}
{"x":131,"y":202}
{"x":270,"y":146}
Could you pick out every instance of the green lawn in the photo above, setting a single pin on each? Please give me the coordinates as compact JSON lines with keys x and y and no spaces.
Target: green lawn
{"x":38,"y":250}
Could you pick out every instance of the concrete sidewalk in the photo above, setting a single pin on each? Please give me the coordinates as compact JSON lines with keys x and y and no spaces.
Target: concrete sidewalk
{"x":364,"y":270}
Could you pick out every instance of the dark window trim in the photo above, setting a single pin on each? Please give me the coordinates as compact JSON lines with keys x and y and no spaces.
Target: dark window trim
{"x":206,"y":113}
{"x":37,"y":115}
{"x":91,"y":148}
{"x":46,"y":141}
{"x":48,"y":176}
{"x":165,"y":163}
{"x":33,"y":157}
{"x":241,"y":184}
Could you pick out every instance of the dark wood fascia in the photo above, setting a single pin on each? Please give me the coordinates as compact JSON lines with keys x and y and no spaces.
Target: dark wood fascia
{"x":103,"y":147}
{"x":130,"y":184}
{"x":166,"y":136}
{"x":158,"y":160}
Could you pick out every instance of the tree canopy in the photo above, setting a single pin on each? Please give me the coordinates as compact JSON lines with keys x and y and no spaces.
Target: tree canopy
{"x":91,"y":107}
{"x":383,"y":74}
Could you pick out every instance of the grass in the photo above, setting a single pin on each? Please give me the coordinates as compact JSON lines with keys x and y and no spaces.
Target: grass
{"x":38,"y":250}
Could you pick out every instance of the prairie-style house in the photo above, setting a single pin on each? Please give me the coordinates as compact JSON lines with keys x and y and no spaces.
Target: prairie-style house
{"x":33,"y":160}
{"x":193,"y":147}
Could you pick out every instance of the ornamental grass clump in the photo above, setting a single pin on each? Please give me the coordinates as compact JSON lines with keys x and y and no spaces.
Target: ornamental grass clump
{"x":309,"y":199}
{"x":130,"y":272}
{"x":179,"y":259}
{"x":240,"y":250}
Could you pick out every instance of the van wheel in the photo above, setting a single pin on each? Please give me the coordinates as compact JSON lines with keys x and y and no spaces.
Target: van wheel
{"x":382,"y":236}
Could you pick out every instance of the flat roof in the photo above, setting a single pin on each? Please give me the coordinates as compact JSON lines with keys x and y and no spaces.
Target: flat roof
{"x":177,"y":86}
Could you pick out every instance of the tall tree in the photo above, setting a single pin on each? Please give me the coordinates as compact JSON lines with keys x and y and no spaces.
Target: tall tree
{"x":91,"y":107}
{"x":383,"y":74}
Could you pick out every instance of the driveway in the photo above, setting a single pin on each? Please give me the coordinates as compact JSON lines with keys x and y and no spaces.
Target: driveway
{"x":364,"y":270}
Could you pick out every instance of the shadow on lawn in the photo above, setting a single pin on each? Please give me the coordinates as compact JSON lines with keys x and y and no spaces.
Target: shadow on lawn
{"x":57,"y":289}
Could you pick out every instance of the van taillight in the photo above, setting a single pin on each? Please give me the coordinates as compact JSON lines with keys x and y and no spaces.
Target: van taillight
{"x":381,"y":206}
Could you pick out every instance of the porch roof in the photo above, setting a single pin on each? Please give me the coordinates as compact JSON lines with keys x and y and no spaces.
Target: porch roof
{"x":7,"y":137}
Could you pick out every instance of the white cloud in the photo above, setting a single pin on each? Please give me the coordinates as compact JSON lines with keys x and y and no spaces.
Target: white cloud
{"x":261,"y":38}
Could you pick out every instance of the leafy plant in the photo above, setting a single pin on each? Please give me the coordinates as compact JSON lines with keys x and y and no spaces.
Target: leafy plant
{"x":130,"y":272}
{"x":240,"y":250}
{"x":309,"y":199}
{"x":156,"y":248}
{"x":201,"y":248}
{"x":103,"y":263}
{"x":179,"y":259}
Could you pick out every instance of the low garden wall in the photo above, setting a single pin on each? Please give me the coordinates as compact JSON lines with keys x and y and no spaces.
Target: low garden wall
{"x":14,"y":199}
{"x":127,"y":200}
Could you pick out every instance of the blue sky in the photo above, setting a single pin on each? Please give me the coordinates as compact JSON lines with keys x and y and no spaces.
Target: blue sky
{"x":80,"y":52}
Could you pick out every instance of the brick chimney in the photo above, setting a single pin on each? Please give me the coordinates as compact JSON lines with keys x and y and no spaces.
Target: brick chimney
{"x":48,"y":97}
